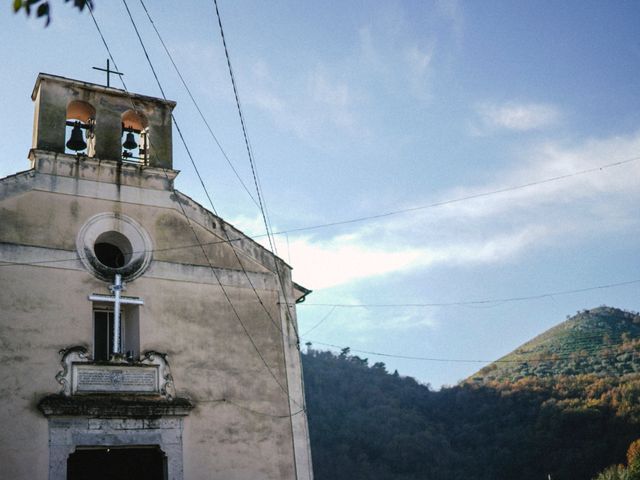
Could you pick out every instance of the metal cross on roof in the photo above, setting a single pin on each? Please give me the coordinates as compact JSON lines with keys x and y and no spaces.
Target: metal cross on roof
{"x":109,"y":72}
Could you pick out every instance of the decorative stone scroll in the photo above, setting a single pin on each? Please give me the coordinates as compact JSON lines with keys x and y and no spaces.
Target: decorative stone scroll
{"x":80,"y":375}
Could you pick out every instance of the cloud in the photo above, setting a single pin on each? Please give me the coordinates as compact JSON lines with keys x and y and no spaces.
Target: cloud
{"x":513,"y":116}
{"x":309,"y":104}
{"x":335,"y":96}
{"x":487,"y":230}
{"x":361,"y":323}
{"x":348,"y":259}
{"x":588,"y":192}
{"x":418,"y":62}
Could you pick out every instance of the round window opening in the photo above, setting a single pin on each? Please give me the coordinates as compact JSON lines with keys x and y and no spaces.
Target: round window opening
{"x":113,"y":243}
{"x":112,"y":249}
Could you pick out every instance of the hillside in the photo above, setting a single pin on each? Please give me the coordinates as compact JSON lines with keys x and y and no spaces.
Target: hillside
{"x":603,"y":341}
{"x":367,"y":423}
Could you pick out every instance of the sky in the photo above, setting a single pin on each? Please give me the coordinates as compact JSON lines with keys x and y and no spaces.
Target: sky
{"x":502,"y":138}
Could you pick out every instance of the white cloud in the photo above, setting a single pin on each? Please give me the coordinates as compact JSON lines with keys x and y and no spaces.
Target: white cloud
{"x":418,"y":62}
{"x":486,"y":230}
{"x":335,"y":96}
{"x":347,"y":259}
{"x":520,"y":117}
{"x":309,"y":104}
{"x":492,"y":229}
{"x":557,"y":198}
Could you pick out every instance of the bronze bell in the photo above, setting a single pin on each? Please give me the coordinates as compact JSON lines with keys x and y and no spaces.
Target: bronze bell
{"x":76,"y":141}
{"x":130,"y":142}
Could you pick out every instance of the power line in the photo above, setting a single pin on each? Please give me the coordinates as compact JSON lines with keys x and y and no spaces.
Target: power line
{"x":254,"y":171}
{"x":361,"y":219}
{"x":261,"y":202}
{"x":248,"y":409}
{"x":206,"y":191}
{"x":461,"y":360}
{"x":459,"y":199}
{"x":471,"y":302}
{"x":320,"y":322}
{"x":195,"y":104}
{"x":180,"y":204}
{"x":228,"y":299}
{"x":212,"y":208}
{"x":379,"y":305}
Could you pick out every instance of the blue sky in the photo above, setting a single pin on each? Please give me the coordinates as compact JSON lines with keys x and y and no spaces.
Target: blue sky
{"x":360,"y":108}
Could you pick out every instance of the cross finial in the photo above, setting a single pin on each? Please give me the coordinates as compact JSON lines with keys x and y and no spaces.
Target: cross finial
{"x":109,"y":72}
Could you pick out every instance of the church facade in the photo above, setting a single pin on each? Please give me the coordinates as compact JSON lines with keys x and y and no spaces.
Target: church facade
{"x":142,"y":336}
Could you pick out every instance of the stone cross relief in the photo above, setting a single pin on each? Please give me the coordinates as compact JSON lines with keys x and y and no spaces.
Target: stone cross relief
{"x":118,"y":300}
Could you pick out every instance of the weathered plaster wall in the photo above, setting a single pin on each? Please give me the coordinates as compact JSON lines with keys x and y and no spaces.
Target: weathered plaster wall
{"x":240,"y":427}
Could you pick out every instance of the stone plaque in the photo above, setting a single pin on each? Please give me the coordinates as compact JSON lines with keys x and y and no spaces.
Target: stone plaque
{"x":92,"y":378}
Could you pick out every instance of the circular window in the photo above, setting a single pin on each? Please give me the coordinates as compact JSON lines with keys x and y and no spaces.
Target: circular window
{"x":112,"y":249}
{"x":111,"y":243}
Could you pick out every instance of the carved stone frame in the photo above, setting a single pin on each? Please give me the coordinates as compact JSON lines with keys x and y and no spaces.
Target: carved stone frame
{"x":113,"y":419}
{"x":78,"y":355}
{"x":67,"y":434}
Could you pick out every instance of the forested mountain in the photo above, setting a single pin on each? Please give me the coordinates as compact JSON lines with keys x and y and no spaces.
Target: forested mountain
{"x":366,"y":423}
{"x":601,"y":341}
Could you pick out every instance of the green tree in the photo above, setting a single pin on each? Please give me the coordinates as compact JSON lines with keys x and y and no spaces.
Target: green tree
{"x":42,"y":8}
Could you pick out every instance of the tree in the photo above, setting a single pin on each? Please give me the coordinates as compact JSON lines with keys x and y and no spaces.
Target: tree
{"x":42,"y":8}
{"x":620,"y":472}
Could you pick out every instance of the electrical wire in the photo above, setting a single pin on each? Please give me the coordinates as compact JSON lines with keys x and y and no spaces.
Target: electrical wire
{"x":180,"y":204}
{"x":393,"y":305}
{"x":472,"y":302}
{"x":459,"y":199}
{"x":320,"y":322}
{"x":459,"y":360}
{"x":206,"y":191}
{"x":248,"y":409}
{"x":362,"y":219}
{"x":195,"y":167}
{"x":254,"y":171}
{"x":263,"y":209}
{"x":195,"y":104}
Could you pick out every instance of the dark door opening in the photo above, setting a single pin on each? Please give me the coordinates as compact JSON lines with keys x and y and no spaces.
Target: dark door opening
{"x":117,"y":463}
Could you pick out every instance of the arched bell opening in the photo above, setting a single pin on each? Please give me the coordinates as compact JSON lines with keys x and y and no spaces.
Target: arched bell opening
{"x":135,"y":137}
{"x":79,"y":133}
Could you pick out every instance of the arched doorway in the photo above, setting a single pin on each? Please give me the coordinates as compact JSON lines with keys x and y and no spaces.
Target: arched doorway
{"x":117,"y":463}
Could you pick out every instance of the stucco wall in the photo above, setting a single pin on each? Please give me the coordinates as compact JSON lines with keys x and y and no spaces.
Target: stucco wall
{"x":240,"y":427}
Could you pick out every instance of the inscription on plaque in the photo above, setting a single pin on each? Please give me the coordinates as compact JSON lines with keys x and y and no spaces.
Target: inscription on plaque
{"x":114,"y":378}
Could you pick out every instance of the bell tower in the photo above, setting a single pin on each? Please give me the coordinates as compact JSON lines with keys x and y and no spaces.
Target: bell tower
{"x":92,"y":125}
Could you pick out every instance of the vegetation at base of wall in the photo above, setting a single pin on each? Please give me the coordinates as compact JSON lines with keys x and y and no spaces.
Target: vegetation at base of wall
{"x":367,"y":423}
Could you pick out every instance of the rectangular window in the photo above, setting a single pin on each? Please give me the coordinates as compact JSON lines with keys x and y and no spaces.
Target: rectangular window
{"x":103,"y":332}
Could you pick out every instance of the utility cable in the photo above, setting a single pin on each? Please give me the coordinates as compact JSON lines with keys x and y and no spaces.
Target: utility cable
{"x":195,"y":104}
{"x":460,"y":199}
{"x":389,"y":305}
{"x":195,"y":167}
{"x":552,"y":358}
{"x":320,"y":322}
{"x":290,"y":318}
{"x":185,"y":214}
{"x":373,"y":217}
{"x":471,"y":302}
{"x":263,"y":209}
{"x":248,"y":409}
